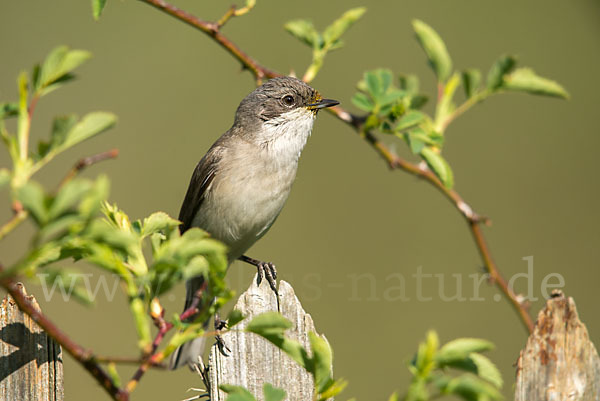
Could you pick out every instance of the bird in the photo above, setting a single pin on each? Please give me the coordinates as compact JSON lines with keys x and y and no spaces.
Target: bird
{"x":240,"y":186}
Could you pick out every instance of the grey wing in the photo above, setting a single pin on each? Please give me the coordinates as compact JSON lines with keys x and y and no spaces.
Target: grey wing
{"x":203,"y":175}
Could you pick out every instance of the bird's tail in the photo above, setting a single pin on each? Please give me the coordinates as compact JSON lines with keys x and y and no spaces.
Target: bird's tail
{"x":188,"y":353}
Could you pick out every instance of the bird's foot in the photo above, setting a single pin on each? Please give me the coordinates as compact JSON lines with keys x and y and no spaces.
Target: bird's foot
{"x":265,"y":269}
{"x":220,"y":325}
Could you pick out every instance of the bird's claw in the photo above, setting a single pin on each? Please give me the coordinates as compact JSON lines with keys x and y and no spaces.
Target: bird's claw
{"x":223,"y":348}
{"x":268,"y":271}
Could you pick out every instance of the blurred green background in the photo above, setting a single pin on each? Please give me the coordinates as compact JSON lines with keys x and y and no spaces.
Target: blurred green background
{"x":527,"y":162}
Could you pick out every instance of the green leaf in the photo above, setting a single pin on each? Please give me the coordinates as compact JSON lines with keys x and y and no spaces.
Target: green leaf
{"x":60,"y":128}
{"x":477,"y":364}
{"x":393,"y":397}
{"x":462,"y":347}
{"x":97,"y":7}
{"x":56,"y":68}
{"x":335,"y":387}
{"x":304,"y":31}
{"x":272,"y":393}
{"x":434,"y":47}
{"x":501,"y":67}
{"x":374,"y":83}
{"x":234,"y":317}
{"x":271,"y":326}
{"x":362,"y":101}
{"x":33,"y":198}
{"x":471,"y":80}
{"x":322,"y":361}
{"x":72,"y":192}
{"x":156,"y":222}
{"x":469,"y":388}
{"x":409,"y":83}
{"x":236,"y":393}
{"x":334,"y":32}
{"x":90,"y":125}
{"x":8,"y":110}
{"x":439,"y":166}
{"x":5,"y":177}
{"x":409,"y":120}
{"x":95,"y":197}
{"x":526,"y":80}
{"x":486,"y":369}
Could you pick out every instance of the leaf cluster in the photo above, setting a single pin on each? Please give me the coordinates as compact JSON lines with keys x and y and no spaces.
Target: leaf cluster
{"x":397,"y":110}
{"x":322,"y":43}
{"x":318,"y":362}
{"x":457,"y":368}
{"x":75,"y":222}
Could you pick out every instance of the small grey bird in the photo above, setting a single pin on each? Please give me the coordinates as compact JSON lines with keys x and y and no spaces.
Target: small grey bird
{"x":240,"y":186}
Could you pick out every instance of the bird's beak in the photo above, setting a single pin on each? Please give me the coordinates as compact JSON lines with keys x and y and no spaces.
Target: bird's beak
{"x":321,"y":104}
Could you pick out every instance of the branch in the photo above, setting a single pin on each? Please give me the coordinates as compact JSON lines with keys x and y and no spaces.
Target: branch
{"x":81,"y":355}
{"x":212,"y":29}
{"x":393,"y":161}
{"x":88,"y":161}
{"x":158,"y":317}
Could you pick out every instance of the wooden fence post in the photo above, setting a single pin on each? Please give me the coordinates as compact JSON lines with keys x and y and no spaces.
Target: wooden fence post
{"x":253,"y":360}
{"x":30,"y":361}
{"x":559,"y":361}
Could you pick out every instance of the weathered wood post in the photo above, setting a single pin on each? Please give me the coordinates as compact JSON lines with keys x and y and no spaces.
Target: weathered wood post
{"x":253,"y":360}
{"x":30,"y":361}
{"x":559,"y":362}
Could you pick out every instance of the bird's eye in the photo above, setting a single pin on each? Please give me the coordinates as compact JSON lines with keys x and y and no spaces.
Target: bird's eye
{"x":288,"y":100}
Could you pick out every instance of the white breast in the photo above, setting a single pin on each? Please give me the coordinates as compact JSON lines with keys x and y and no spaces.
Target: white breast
{"x":254,"y":181}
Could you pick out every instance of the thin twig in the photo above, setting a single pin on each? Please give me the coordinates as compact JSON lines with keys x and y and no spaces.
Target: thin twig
{"x":88,"y":161}
{"x":473,"y":219}
{"x":212,"y":30}
{"x":155,"y":358}
{"x":14,"y":221}
{"x":81,"y":355}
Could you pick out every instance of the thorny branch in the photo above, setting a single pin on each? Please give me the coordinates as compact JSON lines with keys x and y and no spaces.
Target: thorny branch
{"x":473,"y":220}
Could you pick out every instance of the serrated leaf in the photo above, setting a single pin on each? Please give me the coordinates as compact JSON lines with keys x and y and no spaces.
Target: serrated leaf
{"x":434,"y":47}
{"x":97,"y":7}
{"x":322,"y":361}
{"x":272,"y":393}
{"x":5,"y":177}
{"x":362,"y":101}
{"x":501,"y":67}
{"x":471,"y":79}
{"x":304,"y":31}
{"x":526,"y":80}
{"x":439,"y":166}
{"x":91,"y":124}
{"x":33,"y":198}
{"x":462,"y":347}
{"x":271,"y":326}
{"x":334,"y":32}
{"x":410,"y":119}
{"x":157,"y":222}
{"x":236,"y":393}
